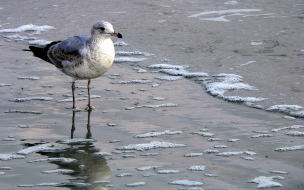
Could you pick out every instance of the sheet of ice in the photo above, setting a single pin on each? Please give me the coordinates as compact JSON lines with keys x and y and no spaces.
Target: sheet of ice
{"x":169,"y":78}
{"x":278,"y":172}
{"x":77,"y":140}
{"x":290,"y":127}
{"x":62,"y":160}
{"x":186,"y":182}
{"x":220,"y":12}
{"x":247,"y":158}
{"x":168,"y":171}
{"x":297,"y":114}
{"x":233,"y":140}
{"x":1,"y":84}
{"x":155,"y":134}
{"x":151,"y":145}
{"x":158,"y":105}
{"x":197,"y":168}
{"x":5,"y":157}
{"x":30,"y":78}
{"x":39,"y":43}
{"x":136,"y":184}
{"x":136,"y":81}
{"x":208,"y":151}
{"x":64,"y":171}
{"x":17,"y":37}
{"x":128,"y":59}
{"x":28,"y":27}
{"x":120,"y":43}
{"x":284,"y":108}
{"x":193,"y":154}
{"x":34,"y":149}
{"x":256,"y":44}
{"x":124,"y":53}
{"x":159,"y":98}
{"x":182,"y":72}
{"x":167,"y":66}
{"x":230,"y":2}
{"x":204,"y":134}
{"x":124,"y":175}
{"x":283,"y":149}
{"x":23,"y":111}
{"x":266,"y":182}
{"x":247,"y":63}
{"x":31,"y":98}
{"x":144,"y":168}
{"x":236,"y":153}
{"x":295,"y":133}
{"x":140,"y":70}
{"x":262,"y":135}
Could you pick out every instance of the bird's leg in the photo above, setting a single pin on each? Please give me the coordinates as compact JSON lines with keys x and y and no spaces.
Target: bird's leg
{"x":89,"y":96}
{"x":73,"y":92}
{"x":73,"y":125}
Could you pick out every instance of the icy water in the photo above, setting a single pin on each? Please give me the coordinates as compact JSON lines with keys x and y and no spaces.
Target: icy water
{"x":202,"y":95}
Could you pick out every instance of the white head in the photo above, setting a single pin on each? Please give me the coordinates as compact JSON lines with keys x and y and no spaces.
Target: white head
{"x":104,"y":28}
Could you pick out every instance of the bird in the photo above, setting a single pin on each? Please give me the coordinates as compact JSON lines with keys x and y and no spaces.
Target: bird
{"x":82,"y":57}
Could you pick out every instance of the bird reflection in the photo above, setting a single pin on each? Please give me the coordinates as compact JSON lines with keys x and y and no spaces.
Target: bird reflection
{"x":89,"y":134}
{"x":88,"y":169}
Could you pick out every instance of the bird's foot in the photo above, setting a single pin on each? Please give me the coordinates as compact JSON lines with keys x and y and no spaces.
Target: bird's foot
{"x":90,"y":108}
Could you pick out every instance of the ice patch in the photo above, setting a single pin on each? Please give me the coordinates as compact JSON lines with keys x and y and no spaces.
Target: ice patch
{"x":5,"y":157}
{"x":120,"y":43}
{"x":233,"y":140}
{"x":40,"y":43}
{"x":34,"y":149}
{"x":167,"y":66}
{"x":31,"y":98}
{"x":1,"y":84}
{"x":193,"y":154}
{"x":210,"y":151}
{"x":23,"y":111}
{"x":262,"y":135}
{"x":236,"y":153}
{"x":203,"y":134}
{"x":290,"y":127}
{"x":62,"y":160}
{"x":155,"y":134}
{"x":182,"y":72}
{"x":266,"y":182}
{"x":128,"y":59}
{"x":278,"y":172}
{"x":247,"y":158}
{"x":124,"y":53}
{"x":256,"y":43}
{"x":140,"y":70}
{"x":76,"y":140}
{"x":138,"y":81}
{"x":295,"y":133}
{"x":159,"y":98}
{"x":136,"y":184}
{"x":169,"y":78}
{"x":63,"y":171}
{"x":124,"y":175}
{"x":284,"y":108}
{"x":283,"y":149}
{"x":197,"y":168}
{"x":230,"y":2}
{"x":168,"y":171}
{"x":29,"y":27}
{"x":147,"y":168}
{"x":30,"y":78}
{"x":151,"y":145}
{"x":185,"y":182}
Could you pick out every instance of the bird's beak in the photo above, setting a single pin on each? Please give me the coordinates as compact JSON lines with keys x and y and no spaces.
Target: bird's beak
{"x":117,"y":34}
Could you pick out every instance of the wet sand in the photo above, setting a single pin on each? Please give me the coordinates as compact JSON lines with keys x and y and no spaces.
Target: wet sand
{"x":165,"y":30}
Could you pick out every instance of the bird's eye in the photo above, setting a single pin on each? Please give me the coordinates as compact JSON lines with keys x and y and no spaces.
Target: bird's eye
{"x":102,"y":28}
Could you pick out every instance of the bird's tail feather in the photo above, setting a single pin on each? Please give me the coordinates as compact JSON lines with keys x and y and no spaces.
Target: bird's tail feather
{"x":41,"y":52}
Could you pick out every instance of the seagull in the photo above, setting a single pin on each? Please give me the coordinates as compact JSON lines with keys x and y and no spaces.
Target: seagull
{"x":82,"y":57}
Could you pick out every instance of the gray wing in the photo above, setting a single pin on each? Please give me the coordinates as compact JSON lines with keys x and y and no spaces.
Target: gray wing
{"x":72,"y":49}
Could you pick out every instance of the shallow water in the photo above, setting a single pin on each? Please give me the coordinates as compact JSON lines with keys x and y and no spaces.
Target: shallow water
{"x":225,"y":144}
